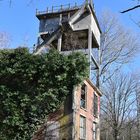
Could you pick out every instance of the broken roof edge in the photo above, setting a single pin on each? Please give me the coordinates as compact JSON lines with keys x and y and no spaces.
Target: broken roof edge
{"x":94,"y":87}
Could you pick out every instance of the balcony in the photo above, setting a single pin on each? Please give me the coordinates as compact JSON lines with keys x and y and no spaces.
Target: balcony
{"x":58,"y":9}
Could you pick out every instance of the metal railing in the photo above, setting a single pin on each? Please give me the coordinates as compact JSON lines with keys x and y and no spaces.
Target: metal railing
{"x":61,"y":8}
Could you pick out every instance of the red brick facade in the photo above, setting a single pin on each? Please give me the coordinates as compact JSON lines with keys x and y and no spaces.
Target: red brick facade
{"x":65,"y":123}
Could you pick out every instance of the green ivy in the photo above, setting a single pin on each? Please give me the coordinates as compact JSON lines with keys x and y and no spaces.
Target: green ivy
{"x":32,"y":86}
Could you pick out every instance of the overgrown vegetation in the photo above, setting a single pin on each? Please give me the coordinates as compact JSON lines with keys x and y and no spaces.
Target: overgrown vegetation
{"x":32,"y":86}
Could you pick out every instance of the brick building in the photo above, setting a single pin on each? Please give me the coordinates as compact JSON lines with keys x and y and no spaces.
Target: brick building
{"x":67,"y":29}
{"x":77,"y":119}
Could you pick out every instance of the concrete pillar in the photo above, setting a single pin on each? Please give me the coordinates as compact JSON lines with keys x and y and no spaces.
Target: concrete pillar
{"x":60,"y":37}
{"x":98,"y":134}
{"x":98,"y":70}
{"x":89,"y":47}
{"x":59,"y":43}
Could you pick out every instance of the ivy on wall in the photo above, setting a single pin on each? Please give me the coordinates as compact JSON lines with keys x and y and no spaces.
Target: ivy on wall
{"x":32,"y":86}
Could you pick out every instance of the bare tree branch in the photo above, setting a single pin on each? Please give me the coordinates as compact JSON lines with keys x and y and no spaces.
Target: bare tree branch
{"x":117,"y":103}
{"x":5,"y":40}
{"x":118,"y":46}
{"x":130,"y":9}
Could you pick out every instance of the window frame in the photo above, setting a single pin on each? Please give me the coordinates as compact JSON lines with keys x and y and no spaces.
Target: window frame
{"x":94,"y":137}
{"x":95,"y":104}
{"x":82,"y":136}
{"x":81,"y":99}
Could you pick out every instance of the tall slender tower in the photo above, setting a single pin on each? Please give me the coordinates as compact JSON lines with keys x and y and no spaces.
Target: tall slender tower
{"x":73,"y":28}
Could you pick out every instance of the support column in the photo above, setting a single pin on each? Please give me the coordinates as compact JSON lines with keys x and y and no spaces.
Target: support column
{"x":89,"y":48}
{"x":59,"y":43}
{"x":74,"y":118}
{"x":98,"y":70}
{"x":98,"y":134}
{"x":60,"y":37}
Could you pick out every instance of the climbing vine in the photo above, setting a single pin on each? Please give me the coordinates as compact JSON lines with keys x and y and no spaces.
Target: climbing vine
{"x":32,"y":86}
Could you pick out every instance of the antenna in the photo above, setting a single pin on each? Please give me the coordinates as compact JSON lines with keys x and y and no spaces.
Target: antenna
{"x":91,"y":2}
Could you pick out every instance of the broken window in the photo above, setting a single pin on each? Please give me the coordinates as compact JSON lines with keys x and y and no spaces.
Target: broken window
{"x":95,"y":105}
{"x":94,"y":131}
{"x":83,"y":96}
{"x":82,"y":128}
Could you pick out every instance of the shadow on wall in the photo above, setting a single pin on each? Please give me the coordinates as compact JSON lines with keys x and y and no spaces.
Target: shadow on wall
{"x":58,"y":125}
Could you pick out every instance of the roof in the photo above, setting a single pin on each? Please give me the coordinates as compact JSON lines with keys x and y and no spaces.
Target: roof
{"x":94,"y":87}
{"x":57,"y":10}
{"x":91,"y":7}
{"x":76,"y":10}
{"x":62,"y":9}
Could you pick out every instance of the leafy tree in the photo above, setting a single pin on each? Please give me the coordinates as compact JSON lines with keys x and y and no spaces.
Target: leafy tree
{"x":32,"y":86}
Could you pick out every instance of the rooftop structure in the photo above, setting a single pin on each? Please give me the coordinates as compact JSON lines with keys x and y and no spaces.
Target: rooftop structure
{"x":58,"y":9}
{"x":71,"y":28}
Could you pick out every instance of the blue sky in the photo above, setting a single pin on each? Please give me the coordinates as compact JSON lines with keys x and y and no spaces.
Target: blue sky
{"x":19,"y":20}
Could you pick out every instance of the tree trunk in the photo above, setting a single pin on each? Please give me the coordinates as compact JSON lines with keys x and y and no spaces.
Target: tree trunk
{"x":115,"y":134}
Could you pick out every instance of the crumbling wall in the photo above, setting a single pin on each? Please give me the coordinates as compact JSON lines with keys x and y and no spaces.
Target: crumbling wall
{"x":59,"y":124}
